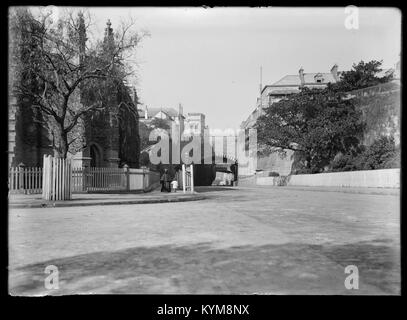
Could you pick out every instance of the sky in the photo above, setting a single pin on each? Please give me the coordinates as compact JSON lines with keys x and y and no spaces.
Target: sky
{"x":209,"y":59}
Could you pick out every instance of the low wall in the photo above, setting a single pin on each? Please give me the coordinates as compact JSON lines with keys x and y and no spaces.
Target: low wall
{"x":384,"y":178}
{"x":142,"y":179}
{"x":246,"y":181}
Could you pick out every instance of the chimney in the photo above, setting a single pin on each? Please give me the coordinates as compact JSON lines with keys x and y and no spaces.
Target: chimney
{"x":334,"y":71}
{"x":301,"y":74}
{"x":180,"y":110}
{"x":145,"y":112}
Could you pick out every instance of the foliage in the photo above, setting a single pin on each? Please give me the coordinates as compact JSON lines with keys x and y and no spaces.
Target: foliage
{"x":160,"y":123}
{"x":55,"y":67}
{"x":362,"y":75}
{"x":320,"y":124}
{"x":144,"y":133}
{"x":145,"y":130}
{"x":144,"y":159}
{"x":316,"y":123}
{"x":382,"y":154}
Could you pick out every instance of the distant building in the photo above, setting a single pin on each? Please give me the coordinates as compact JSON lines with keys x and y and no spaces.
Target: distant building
{"x":169,"y":115}
{"x":288,"y":85}
{"x":195,"y":123}
{"x":270,"y":94}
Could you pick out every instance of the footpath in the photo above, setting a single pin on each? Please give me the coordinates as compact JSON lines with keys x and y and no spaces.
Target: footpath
{"x":102,"y":199}
{"x":377,"y":191}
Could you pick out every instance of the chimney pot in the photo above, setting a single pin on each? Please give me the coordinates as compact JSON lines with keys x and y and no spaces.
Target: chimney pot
{"x":334,"y":72}
{"x":145,"y":112}
{"x":301,"y":74}
{"x":180,"y":110}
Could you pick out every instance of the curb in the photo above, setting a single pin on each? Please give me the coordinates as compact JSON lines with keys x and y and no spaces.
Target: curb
{"x":104,"y":203}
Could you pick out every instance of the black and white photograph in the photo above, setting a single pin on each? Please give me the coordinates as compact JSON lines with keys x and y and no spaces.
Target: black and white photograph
{"x":204,"y":151}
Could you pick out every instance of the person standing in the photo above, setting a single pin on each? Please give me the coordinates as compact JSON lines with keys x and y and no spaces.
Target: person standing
{"x":174,"y":185}
{"x":165,"y":181}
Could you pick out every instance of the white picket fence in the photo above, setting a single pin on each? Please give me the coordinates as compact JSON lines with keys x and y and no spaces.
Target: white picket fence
{"x":57,"y":179}
{"x":26,"y":180}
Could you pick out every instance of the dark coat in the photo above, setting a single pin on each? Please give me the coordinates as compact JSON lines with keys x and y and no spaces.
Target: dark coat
{"x":165,"y":177}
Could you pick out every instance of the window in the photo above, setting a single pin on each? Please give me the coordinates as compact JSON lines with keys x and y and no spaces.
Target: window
{"x":318,"y":78}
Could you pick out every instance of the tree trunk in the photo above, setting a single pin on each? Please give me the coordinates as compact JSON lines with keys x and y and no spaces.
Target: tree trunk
{"x":308,"y":159}
{"x":61,"y":144}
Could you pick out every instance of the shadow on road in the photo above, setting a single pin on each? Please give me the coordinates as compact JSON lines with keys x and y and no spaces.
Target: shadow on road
{"x":290,"y":268}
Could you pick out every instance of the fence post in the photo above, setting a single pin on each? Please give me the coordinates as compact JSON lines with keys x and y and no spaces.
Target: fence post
{"x":21,"y":177}
{"x":144,"y":180}
{"x":192,"y":178}
{"x":183,"y":178}
{"x":127,"y":172}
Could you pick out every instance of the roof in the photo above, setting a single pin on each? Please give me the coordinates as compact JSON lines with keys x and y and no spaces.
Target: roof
{"x":294,"y":80}
{"x":282,"y":91}
{"x":196,"y":114}
{"x":151,"y":112}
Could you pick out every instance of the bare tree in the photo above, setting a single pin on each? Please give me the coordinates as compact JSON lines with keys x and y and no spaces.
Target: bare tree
{"x":55,"y":65}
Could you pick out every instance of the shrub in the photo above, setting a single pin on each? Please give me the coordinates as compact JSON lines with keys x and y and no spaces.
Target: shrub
{"x":382,"y":150}
{"x":381,"y":154}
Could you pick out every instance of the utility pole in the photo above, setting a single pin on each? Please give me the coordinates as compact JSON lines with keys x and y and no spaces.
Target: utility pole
{"x":261,"y":87}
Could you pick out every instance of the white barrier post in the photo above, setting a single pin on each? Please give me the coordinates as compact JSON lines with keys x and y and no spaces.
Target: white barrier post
{"x":192,"y":178}
{"x":183,"y":178}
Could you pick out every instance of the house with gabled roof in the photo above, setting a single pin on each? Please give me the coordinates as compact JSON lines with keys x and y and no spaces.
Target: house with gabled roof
{"x":288,"y":85}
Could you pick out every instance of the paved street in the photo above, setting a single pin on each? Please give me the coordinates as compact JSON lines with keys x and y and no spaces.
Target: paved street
{"x":239,"y":241}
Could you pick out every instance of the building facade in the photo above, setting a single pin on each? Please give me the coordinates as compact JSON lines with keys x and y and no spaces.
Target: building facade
{"x":169,"y":115}
{"x":195,"y":123}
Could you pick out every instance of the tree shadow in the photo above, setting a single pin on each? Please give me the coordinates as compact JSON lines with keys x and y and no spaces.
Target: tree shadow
{"x":290,"y":268}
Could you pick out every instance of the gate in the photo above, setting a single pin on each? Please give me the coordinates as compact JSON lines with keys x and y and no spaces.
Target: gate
{"x":188,"y":178}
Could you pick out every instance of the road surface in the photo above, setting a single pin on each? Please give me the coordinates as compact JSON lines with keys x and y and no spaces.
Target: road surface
{"x":239,"y":241}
